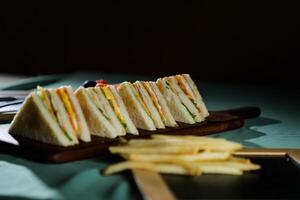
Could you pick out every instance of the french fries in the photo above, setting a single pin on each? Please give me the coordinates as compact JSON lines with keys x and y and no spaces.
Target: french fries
{"x":184,"y":155}
{"x":204,"y":143}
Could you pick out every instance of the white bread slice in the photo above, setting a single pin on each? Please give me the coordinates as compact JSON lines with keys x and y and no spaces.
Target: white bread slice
{"x":96,"y":121}
{"x":184,"y":99}
{"x":196,"y":93}
{"x":166,"y":115}
{"x":101,"y":100}
{"x":83,"y":132}
{"x":177,"y":109}
{"x":34,"y":121}
{"x":130,"y":127}
{"x":149,"y":103}
{"x":136,"y":111}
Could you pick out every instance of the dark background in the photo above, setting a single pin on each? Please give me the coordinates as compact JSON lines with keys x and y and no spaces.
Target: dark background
{"x":235,"y":40}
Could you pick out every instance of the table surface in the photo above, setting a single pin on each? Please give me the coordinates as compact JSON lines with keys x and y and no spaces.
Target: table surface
{"x":278,"y":127}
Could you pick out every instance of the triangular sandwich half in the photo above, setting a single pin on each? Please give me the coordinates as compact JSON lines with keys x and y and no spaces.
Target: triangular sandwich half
{"x":51,"y":116}
{"x":177,"y":109}
{"x":159,"y":103}
{"x":192,"y":109}
{"x":138,"y":111}
{"x":190,"y":89}
{"x":154,"y":114}
{"x":111,"y":94}
{"x":98,"y":122}
{"x":105,"y":108}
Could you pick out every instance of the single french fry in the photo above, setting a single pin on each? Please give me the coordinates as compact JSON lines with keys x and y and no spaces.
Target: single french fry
{"x":191,"y":167}
{"x":243,"y":166}
{"x":188,"y":137}
{"x":241,"y":160}
{"x":167,"y":168}
{"x":234,"y":164}
{"x":127,"y":165}
{"x":162,"y":168}
{"x":210,"y":168}
{"x":199,"y":144}
{"x":164,"y":149}
{"x":182,"y":157}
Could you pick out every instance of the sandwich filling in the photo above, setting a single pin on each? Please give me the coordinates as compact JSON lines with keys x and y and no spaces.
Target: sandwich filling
{"x":72,"y":116}
{"x":44,"y":95}
{"x":112,"y":101}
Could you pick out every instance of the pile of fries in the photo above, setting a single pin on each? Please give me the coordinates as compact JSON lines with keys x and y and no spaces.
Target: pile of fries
{"x":186,"y":155}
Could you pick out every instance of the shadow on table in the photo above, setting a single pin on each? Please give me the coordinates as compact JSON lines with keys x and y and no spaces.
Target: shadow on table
{"x":246,"y":133}
{"x":261,"y":121}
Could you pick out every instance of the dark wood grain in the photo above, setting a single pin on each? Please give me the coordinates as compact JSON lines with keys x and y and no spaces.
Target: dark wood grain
{"x":218,"y":121}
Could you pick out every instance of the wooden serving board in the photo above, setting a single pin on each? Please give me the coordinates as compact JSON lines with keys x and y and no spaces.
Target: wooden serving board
{"x":218,"y":121}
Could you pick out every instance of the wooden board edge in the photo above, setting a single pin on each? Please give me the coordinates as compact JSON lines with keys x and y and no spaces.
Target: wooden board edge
{"x":294,"y":155}
{"x":261,"y":152}
{"x":152,"y":186}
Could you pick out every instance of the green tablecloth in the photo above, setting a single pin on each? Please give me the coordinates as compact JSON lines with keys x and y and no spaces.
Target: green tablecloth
{"x":278,"y":127}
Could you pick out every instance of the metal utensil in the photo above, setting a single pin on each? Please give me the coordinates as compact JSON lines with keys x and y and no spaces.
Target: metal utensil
{"x":9,"y":103}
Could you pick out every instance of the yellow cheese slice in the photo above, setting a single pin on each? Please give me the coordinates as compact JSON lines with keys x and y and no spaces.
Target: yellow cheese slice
{"x":154,"y":100}
{"x":184,"y":88}
{"x":69,"y":107}
{"x":111,"y":99}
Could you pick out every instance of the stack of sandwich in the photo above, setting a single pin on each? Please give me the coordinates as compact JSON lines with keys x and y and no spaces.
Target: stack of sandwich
{"x":63,"y":117}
